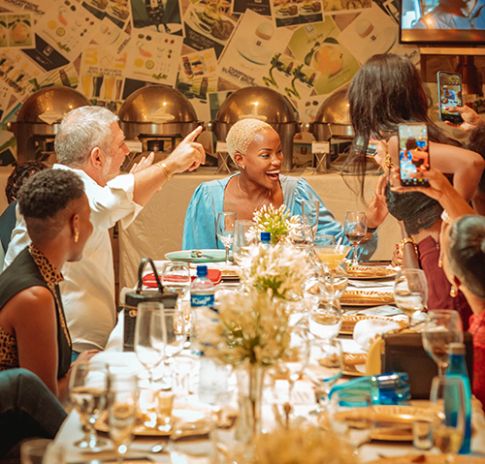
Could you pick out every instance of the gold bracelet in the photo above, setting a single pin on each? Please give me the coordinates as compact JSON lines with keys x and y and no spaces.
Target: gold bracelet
{"x":406,"y":240}
{"x":163,"y":166}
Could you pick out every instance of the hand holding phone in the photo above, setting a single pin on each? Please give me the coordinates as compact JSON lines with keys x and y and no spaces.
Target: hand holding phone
{"x":450,"y":95}
{"x":413,"y":154}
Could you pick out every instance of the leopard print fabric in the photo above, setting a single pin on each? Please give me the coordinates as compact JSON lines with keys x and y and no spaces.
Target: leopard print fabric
{"x":8,"y":351}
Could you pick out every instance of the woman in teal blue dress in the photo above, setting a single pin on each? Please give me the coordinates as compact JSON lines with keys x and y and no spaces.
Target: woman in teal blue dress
{"x":255,"y":147}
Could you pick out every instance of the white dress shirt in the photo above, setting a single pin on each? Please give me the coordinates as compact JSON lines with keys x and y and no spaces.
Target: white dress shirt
{"x":88,"y":286}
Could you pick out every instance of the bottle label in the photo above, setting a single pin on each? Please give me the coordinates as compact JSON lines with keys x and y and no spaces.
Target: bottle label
{"x":197,"y":301}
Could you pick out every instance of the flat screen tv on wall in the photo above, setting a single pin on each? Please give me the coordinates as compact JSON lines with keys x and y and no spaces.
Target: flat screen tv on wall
{"x":452,"y":22}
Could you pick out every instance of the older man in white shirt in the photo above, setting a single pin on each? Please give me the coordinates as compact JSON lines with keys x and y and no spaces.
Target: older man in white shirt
{"x":91,"y":143}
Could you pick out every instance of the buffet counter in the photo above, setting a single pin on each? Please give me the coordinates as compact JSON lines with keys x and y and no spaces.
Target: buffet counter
{"x":158,"y":228}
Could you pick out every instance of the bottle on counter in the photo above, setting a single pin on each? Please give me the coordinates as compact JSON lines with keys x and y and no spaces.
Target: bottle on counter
{"x":457,"y":368}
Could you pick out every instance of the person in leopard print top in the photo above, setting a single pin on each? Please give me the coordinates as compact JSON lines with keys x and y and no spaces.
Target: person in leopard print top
{"x":33,"y":330}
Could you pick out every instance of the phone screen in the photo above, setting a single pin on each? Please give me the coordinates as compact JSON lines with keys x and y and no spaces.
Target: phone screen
{"x":413,"y":153}
{"x":450,"y":94}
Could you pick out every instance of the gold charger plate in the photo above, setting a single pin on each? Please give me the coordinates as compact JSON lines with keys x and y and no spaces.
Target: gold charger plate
{"x":365,"y":298}
{"x":427,"y":459}
{"x":194,"y":423}
{"x":363,"y":272}
{"x":391,"y":423}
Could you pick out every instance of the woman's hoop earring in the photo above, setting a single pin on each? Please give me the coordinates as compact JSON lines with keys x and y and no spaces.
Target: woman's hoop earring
{"x":453,"y":291}
{"x":76,"y":236}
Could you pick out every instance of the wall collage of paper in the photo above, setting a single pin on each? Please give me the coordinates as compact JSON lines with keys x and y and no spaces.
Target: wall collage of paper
{"x":106,"y":49}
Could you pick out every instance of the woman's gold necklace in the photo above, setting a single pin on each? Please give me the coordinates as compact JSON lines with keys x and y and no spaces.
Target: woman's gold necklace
{"x":266,"y":197}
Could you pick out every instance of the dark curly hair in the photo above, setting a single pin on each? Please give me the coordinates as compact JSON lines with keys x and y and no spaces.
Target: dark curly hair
{"x":476,"y":143}
{"x":19,"y":175}
{"x":48,"y":192}
{"x":43,"y":199}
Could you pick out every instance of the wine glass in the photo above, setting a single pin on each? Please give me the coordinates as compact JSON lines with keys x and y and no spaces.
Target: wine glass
{"x":329,"y":355}
{"x":149,"y":336}
{"x":297,"y":355}
{"x":310,"y":213}
{"x":442,"y":327}
{"x":225,"y":230}
{"x":411,"y":291}
{"x":88,"y":384}
{"x":355,"y":229}
{"x":243,"y":239}
{"x":174,"y":337}
{"x":176,"y":278}
{"x":330,"y":254}
{"x":122,"y":410}
{"x":448,"y":396}
{"x":324,"y":323}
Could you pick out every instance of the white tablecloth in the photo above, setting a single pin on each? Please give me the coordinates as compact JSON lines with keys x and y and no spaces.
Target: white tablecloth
{"x":71,"y":429}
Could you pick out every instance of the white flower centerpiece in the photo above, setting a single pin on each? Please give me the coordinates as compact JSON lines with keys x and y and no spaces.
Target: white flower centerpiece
{"x":252,"y":330}
{"x":277,"y":221}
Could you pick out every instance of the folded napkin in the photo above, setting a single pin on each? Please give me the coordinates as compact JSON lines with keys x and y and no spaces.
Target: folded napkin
{"x":367,"y":330}
{"x":149,"y":281}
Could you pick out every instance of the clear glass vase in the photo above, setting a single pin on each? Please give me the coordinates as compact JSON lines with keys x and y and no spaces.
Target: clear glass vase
{"x":250,"y":380}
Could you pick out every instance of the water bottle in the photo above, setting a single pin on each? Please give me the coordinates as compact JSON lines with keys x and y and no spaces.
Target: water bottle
{"x":457,"y":368}
{"x":388,"y":389}
{"x":265,"y":238}
{"x":201,"y":302}
{"x":202,"y":290}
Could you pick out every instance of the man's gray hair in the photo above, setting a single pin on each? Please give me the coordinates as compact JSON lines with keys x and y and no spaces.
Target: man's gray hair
{"x":81,"y":130}
{"x":242,"y":133}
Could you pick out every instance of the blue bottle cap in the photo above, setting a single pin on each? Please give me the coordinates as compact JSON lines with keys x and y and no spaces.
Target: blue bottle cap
{"x":201,"y":270}
{"x":265,"y":237}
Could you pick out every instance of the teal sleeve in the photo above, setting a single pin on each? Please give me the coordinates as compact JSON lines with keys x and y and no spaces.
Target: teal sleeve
{"x":199,"y":225}
{"x":327,"y":224}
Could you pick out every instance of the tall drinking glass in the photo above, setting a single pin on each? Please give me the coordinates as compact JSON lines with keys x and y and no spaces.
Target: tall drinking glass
{"x":176,"y":278}
{"x":243,"y":239}
{"x":355,"y":229}
{"x":149,"y":336}
{"x":448,"y":396}
{"x":225,"y":230}
{"x":442,"y":327}
{"x":329,"y":355}
{"x":411,"y":291}
{"x":88,"y":384}
{"x":122,"y":411}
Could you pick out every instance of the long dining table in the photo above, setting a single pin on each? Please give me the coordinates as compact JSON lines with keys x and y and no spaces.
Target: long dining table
{"x":142,"y":447}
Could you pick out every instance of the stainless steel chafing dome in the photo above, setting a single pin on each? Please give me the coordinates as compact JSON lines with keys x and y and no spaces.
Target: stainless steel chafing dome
{"x":333,"y":118}
{"x":157,"y":110}
{"x":38,"y":119}
{"x":260,"y":103}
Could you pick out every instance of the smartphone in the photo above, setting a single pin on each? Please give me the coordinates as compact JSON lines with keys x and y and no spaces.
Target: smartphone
{"x":450,"y":93}
{"x":413,"y":153}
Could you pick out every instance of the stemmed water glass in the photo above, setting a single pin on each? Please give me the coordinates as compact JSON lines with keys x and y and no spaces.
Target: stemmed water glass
{"x":448,"y":396}
{"x":243,"y":239}
{"x":297,"y":355}
{"x":355,"y":229}
{"x":88,"y":384}
{"x":122,"y":410}
{"x":174,"y":337}
{"x":149,"y":336}
{"x":329,"y":355}
{"x":225,"y":230}
{"x":176,"y":278}
{"x":442,"y":327}
{"x":411,"y":291}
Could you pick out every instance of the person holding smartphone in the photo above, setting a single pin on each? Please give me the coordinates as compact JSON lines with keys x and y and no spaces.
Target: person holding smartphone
{"x":388,"y":91}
